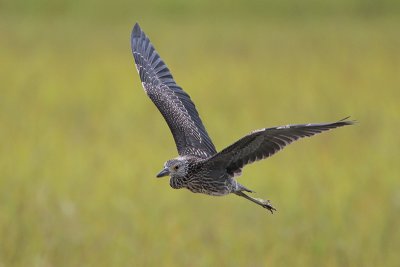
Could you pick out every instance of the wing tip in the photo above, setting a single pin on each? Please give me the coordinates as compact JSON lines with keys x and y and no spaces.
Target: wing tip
{"x":136,"y":31}
{"x":346,"y":121}
{"x":137,"y":36}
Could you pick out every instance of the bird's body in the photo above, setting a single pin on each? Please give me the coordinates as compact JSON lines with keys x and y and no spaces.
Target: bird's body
{"x":199,"y":167}
{"x":198,"y":177}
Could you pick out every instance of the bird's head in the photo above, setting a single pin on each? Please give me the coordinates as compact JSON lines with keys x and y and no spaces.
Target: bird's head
{"x":175,"y":168}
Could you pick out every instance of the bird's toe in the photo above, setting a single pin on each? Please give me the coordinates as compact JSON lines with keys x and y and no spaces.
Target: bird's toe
{"x":267,"y":205}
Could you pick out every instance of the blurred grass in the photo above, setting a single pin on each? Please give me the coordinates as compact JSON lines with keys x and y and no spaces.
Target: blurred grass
{"x":82,"y":143}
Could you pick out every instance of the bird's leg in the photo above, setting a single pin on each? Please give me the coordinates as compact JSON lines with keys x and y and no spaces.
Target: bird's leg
{"x":241,"y":187}
{"x":263,"y":203}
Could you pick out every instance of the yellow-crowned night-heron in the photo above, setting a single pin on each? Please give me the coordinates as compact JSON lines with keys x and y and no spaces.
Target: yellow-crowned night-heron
{"x":199,"y":167}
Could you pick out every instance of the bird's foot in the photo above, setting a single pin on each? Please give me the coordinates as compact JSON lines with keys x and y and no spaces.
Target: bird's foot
{"x":266,"y":204}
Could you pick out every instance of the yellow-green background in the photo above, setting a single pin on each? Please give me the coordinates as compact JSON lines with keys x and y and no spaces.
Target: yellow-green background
{"x":81,"y":143}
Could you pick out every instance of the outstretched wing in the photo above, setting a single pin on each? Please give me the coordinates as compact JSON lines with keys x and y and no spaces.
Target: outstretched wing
{"x":264,"y":143}
{"x":175,"y":105}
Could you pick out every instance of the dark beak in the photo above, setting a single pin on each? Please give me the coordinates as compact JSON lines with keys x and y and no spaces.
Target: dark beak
{"x":162,"y":173}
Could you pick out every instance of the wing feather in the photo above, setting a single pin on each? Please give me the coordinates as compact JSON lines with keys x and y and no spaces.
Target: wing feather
{"x":266,"y":142}
{"x":175,"y":105}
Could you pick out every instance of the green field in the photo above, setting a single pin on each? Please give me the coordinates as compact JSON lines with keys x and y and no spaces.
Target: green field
{"x":81,"y":142}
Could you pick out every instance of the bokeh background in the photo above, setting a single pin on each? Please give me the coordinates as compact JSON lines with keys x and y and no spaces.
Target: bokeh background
{"x":81,"y":142}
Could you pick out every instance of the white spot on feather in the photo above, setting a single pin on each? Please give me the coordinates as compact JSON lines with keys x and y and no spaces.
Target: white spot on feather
{"x":283,"y":127}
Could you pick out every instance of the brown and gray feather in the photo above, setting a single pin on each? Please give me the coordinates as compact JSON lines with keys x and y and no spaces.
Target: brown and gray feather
{"x":175,"y":105}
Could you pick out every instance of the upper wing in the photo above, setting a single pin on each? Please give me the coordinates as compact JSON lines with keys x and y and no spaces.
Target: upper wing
{"x":265,"y":142}
{"x":175,"y":105}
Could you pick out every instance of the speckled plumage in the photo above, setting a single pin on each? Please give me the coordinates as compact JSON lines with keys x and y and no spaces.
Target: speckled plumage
{"x":199,"y":167}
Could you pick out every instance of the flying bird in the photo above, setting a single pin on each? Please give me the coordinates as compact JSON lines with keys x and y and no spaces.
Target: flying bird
{"x":199,"y":167}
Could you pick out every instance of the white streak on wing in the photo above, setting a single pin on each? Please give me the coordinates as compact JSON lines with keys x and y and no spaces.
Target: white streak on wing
{"x":257,"y":131}
{"x":283,"y":127}
{"x":144,"y":87}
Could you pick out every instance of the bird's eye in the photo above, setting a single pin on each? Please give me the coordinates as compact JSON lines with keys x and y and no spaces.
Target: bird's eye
{"x":176,"y":167}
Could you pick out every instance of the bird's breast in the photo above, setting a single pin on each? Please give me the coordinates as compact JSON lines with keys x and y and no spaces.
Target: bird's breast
{"x":213,"y":187}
